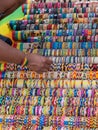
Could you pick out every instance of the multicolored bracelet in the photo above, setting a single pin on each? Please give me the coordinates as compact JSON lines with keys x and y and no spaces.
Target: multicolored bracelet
{"x":24,"y":62}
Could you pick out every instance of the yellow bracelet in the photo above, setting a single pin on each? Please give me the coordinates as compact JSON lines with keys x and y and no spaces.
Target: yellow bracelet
{"x":25,"y":62}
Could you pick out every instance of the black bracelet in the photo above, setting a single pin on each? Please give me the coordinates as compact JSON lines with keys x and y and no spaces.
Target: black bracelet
{"x":6,"y":39}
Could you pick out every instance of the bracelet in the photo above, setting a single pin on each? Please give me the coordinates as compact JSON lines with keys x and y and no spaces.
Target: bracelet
{"x":24,"y":62}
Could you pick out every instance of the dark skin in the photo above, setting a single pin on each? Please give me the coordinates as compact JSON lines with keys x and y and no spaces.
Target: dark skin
{"x":8,"y":6}
{"x":9,"y":54}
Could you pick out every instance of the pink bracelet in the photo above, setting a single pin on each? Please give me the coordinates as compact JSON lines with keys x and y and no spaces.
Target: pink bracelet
{"x":62,"y":120}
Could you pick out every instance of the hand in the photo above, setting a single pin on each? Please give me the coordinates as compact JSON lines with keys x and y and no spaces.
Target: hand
{"x":38,"y":63}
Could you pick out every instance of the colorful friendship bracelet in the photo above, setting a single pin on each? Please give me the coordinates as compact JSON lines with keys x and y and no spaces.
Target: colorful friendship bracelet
{"x":24,"y":62}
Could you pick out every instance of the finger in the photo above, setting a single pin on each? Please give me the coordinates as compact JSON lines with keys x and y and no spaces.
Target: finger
{"x":47,"y":67}
{"x":39,"y":72}
{"x":48,"y":61}
{"x":42,"y":71}
{"x":45,"y":70}
{"x":32,"y":68}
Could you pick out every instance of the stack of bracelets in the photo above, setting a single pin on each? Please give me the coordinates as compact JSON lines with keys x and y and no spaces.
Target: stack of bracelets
{"x":66,"y":97}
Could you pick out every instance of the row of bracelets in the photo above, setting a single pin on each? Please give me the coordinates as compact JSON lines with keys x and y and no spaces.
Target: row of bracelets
{"x":34,"y":127}
{"x":47,"y":25}
{"x":83,"y":12}
{"x":61,"y":4}
{"x":63,"y":12}
{"x":25,"y":38}
{"x":54,"y":33}
{"x":76,"y":17}
{"x":49,"y":92}
{"x":49,"y":111}
{"x":26,"y":8}
{"x":73,"y":59}
{"x":76,"y":75}
{"x":73,"y":22}
{"x":59,"y":16}
{"x":65,"y":67}
{"x":60,"y":61}
{"x":62,"y":45}
{"x":18,"y":23}
{"x":62,"y":121}
{"x":49,"y":101}
{"x":66,"y":52}
{"x":46,"y":83}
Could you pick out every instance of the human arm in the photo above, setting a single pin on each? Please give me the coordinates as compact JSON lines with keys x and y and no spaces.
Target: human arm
{"x":8,"y":6}
{"x":12,"y":55}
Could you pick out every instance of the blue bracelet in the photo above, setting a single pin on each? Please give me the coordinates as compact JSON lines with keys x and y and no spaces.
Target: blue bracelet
{"x":33,"y":122}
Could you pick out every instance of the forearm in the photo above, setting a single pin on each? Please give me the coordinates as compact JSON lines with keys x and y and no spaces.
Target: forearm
{"x":10,"y":54}
{"x":8,"y":6}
